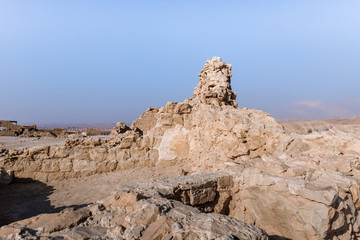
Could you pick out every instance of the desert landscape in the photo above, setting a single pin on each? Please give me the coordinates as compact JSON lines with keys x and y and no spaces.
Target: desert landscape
{"x":198,"y":169}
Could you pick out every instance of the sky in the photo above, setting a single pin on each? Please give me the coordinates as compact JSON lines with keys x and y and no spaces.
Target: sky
{"x":104,"y":61}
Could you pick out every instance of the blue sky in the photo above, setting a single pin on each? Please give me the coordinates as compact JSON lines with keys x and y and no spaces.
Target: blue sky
{"x":101,"y":61}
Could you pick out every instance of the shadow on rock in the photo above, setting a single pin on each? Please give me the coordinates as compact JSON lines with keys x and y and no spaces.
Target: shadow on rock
{"x":276,"y":237}
{"x":25,"y":199}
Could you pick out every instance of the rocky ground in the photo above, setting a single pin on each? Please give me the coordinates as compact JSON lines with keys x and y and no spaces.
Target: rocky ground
{"x":200,"y":169}
{"x":23,"y":200}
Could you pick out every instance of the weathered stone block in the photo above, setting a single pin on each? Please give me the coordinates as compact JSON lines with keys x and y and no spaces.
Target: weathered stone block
{"x":50,"y":165}
{"x":201,"y":196}
{"x":65,"y":165}
{"x":84,"y":165}
{"x":98,"y":153}
{"x":106,"y":166}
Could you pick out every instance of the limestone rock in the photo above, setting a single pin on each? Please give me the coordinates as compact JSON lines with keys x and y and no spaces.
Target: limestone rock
{"x":214,"y":84}
{"x":147,"y":120}
{"x":132,"y":215}
{"x":6,"y":177}
{"x":293,"y":208}
{"x":119,"y":129}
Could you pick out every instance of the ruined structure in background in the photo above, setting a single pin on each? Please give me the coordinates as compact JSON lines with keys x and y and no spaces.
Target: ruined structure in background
{"x":292,"y":186}
{"x":11,"y":128}
{"x":92,"y":132}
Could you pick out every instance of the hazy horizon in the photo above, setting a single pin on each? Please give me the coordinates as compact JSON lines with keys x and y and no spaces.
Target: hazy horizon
{"x":92,"y":62}
{"x":49,"y":125}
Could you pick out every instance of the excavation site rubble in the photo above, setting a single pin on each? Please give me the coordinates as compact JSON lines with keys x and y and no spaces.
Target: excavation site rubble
{"x":245,"y":175}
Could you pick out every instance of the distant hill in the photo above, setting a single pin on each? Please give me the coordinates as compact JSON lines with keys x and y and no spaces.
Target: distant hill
{"x":342,"y":121}
{"x":102,"y":126}
{"x":301,"y":126}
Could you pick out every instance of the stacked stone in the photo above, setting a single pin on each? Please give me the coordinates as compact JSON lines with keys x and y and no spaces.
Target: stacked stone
{"x":214,"y":86}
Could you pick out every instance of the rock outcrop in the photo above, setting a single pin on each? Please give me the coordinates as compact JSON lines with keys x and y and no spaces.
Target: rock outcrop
{"x":208,"y":206}
{"x":6,"y":177}
{"x":141,"y":211}
{"x":312,"y":207}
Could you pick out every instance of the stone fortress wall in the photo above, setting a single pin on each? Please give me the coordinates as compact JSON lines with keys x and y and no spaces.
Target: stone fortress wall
{"x":207,"y":129}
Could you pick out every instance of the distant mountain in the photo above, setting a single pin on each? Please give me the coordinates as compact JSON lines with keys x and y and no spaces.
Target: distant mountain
{"x":281,"y":120}
{"x":103,"y":126}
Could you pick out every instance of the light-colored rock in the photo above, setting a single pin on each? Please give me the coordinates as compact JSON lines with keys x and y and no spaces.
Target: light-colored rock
{"x":214,"y":84}
{"x":132,"y":215}
{"x":158,"y":229}
{"x":119,"y":129}
{"x":6,"y":177}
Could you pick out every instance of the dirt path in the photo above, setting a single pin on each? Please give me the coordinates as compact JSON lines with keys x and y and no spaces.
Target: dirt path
{"x":18,"y":142}
{"x":23,"y":200}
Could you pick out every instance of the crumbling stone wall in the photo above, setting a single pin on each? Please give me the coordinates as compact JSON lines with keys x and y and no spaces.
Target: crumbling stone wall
{"x":209,"y":135}
{"x":10,"y":128}
{"x":207,"y":130}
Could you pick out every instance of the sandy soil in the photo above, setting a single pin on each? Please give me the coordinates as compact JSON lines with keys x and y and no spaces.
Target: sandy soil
{"x":93,"y":188}
{"x":18,"y":143}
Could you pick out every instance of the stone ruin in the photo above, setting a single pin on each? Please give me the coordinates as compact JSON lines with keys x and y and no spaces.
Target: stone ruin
{"x":214,"y":86}
{"x":249,"y":170}
{"x":11,"y":128}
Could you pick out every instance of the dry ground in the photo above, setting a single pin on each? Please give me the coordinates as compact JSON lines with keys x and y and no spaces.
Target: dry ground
{"x":18,"y":142}
{"x":350,"y":126}
{"x":22,"y":200}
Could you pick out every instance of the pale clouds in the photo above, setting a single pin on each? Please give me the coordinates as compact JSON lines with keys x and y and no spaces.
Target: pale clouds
{"x":310,"y":104}
{"x":322,"y":109}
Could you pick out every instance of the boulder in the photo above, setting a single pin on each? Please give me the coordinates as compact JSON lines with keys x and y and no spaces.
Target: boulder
{"x":6,"y":177}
